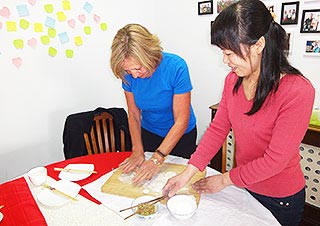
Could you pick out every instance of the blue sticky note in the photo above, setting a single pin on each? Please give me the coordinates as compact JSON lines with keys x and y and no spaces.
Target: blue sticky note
{"x":88,"y":7}
{"x":22,"y":10}
{"x":64,"y":38}
{"x":50,"y":22}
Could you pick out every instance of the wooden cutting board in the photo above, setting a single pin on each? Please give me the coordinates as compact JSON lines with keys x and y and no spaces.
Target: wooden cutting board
{"x":116,"y":187}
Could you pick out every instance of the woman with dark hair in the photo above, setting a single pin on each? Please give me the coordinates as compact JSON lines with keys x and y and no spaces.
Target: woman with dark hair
{"x":268,"y":103}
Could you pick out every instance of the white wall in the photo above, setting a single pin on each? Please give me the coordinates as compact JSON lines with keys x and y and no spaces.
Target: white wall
{"x":36,"y":98}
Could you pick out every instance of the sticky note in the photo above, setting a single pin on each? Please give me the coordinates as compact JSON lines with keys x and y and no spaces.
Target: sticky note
{"x":48,"y":8}
{"x":63,"y":37}
{"x":11,"y":26}
{"x":52,"y":33}
{"x":45,"y":40}
{"x":18,"y":43}
{"x":38,"y":27}
{"x":78,"y":40}
{"x":5,"y":12}
{"x":50,"y":22}
{"x":17,"y":62}
{"x":87,"y":7}
{"x":66,"y":5}
{"x":52,"y":52}
{"x":69,"y":53}
{"x":61,"y":16}
{"x":87,"y":30}
{"x":24,"y":24}
{"x":103,"y":26}
{"x":22,"y":10}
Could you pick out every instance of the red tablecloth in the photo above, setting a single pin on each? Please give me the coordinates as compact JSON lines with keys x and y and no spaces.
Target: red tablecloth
{"x":21,"y":209}
{"x":103,"y":163}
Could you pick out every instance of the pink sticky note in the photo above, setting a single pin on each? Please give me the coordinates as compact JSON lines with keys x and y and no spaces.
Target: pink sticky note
{"x":32,"y":42}
{"x":72,"y":23}
{"x":32,"y":2}
{"x":5,"y":12}
{"x":96,"y":18}
{"x":82,"y":18}
{"x":17,"y":62}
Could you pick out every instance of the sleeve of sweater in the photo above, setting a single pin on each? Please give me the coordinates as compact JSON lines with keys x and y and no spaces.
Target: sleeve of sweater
{"x":293,"y":118}
{"x":216,"y":133}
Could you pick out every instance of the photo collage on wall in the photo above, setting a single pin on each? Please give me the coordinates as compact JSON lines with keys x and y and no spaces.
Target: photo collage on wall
{"x":292,"y":15}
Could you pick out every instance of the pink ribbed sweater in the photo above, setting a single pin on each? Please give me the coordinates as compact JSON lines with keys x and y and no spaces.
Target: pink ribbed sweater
{"x":267,"y":143}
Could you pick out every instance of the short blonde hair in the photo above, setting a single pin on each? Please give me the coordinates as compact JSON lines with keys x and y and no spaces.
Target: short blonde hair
{"x":134,"y":40}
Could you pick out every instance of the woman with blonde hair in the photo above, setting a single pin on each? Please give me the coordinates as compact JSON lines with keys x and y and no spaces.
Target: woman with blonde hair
{"x":157,"y":88}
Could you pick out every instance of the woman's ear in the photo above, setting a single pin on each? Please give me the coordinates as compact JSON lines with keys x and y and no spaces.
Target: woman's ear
{"x":260,"y":44}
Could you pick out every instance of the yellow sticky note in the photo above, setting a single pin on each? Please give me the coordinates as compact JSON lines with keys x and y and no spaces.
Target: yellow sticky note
{"x":103,"y":26}
{"x":61,"y":16}
{"x":66,"y":5}
{"x":52,"y":33}
{"x":38,"y":27}
{"x":52,"y":52}
{"x":11,"y":26}
{"x":18,"y":43}
{"x":87,"y":30}
{"x":69,"y":53}
{"x":24,"y":24}
{"x":45,"y":39}
{"x":48,"y":8}
{"x":78,"y":41}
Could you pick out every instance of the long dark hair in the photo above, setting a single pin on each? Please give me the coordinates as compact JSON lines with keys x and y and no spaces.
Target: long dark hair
{"x":244,"y":22}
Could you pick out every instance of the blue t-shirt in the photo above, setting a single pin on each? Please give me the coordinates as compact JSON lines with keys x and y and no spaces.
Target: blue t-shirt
{"x":154,"y":95}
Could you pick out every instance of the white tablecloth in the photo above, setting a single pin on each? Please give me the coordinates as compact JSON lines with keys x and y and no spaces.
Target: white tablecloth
{"x":230,"y":207}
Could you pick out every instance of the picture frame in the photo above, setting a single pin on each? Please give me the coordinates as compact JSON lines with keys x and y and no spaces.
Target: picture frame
{"x":205,"y":7}
{"x":310,"y":22}
{"x":289,"y":13}
{"x":289,"y":47}
{"x":272,"y":9}
{"x":211,"y":22}
{"x":222,"y":4}
{"x":312,"y":47}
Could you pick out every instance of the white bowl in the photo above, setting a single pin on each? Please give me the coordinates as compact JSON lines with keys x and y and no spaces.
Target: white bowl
{"x":142,"y":199}
{"x":38,"y":175}
{"x":182,"y":207}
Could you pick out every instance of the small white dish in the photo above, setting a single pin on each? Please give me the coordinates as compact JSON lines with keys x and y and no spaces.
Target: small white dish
{"x":53,"y":199}
{"x":38,"y":175}
{"x":1,"y":216}
{"x":76,"y":176}
{"x":182,"y":207}
{"x":142,"y":199}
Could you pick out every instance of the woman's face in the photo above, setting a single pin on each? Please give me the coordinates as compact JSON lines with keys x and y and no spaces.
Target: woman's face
{"x":135,"y":69}
{"x":243,"y":67}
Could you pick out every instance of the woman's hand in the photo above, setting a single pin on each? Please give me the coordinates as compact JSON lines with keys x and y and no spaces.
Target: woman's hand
{"x":132,"y":163}
{"x":178,"y":181}
{"x":212,"y":184}
{"x":147,"y":170}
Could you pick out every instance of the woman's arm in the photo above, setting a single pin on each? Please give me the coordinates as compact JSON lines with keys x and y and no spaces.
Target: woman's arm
{"x":181,"y":113}
{"x":134,"y":119}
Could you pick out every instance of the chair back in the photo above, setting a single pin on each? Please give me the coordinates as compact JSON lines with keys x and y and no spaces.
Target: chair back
{"x":102,"y":135}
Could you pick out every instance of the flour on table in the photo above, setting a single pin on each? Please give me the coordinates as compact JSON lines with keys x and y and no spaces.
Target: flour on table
{"x":158,"y":182}
{"x":126,"y":178}
{"x":154,"y":185}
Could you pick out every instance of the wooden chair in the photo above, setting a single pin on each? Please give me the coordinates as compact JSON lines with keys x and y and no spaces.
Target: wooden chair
{"x":102,"y":136}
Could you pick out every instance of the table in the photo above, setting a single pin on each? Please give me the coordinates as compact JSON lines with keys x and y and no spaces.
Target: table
{"x":231,"y":206}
